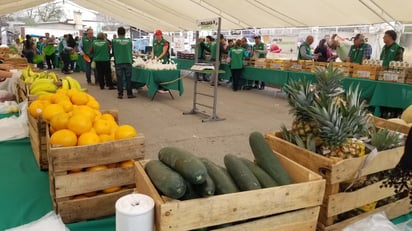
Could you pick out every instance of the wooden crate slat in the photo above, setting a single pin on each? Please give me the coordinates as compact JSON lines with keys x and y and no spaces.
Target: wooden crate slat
{"x":196,"y":213}
{"x":336,"y":172}
{"x":79,"y":183}
{"x":300,"y":220}
{"x":383,"y":123}
{"x":89,"y":208}
{"x":392,"y":210}
{"x":100,"y":154}
{"x":345,"y":201}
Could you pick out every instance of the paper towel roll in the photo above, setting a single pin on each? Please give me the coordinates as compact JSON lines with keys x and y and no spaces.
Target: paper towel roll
{"x":134,"y":212}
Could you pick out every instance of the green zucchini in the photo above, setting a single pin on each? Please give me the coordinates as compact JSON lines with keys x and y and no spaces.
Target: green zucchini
{"x":264,"y":179}
{"x":190,"y":192}
{"x":207,"y":188}
{"x":267,"y":160}
{"x":223,"y":182}
{"x":166,"y":180}
{"x":185,"y":163}
{"x":240,"y":173}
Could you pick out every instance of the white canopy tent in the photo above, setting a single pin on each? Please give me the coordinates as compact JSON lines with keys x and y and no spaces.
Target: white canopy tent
{"x":181,"y":15}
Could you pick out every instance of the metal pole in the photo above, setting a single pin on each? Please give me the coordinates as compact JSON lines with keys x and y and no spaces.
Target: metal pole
{"x":216,"y":71}
{"x":196,"y":74}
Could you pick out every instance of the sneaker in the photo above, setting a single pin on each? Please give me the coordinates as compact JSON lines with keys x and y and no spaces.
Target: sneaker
{"x":120,"y":97}
{"x":162,"y":91}
{"x":131,"y":96}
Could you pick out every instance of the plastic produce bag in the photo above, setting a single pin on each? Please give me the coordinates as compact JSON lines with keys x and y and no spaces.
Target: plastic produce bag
{"x":15,"y":127}
{"x":8,"y":107}
{"x":375,"y":222}
{"x":50,"y":221}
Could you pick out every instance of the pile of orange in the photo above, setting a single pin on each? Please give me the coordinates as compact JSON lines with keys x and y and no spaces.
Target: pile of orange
{"x":75,"y":119}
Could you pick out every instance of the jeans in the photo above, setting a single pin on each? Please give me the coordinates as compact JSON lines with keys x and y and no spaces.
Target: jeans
{"x":88,"y":71}
{"x":66,"y":61}
{"x":29,"y":56}
{"x":124,"y":69}
{"x":236,"y":75}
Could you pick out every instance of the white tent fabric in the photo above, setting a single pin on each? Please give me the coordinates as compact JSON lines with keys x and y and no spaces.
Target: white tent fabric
{"x":180,"y":15}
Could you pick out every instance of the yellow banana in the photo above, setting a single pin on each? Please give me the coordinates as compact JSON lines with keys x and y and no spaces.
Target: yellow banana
{"x":65,"y":84}
{"x":38,"y":82}
{"x":25,"y":73}
{"x":52,"y":76}
{"x":46,"y":87}
{"x":74,"y":84}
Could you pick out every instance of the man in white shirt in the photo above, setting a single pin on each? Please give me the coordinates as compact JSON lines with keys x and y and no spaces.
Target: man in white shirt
{"x":341,"y":46}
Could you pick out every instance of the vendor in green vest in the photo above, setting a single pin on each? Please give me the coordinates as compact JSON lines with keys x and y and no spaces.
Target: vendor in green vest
{"x":201,"y":58}
{"x":360,"y":50}
{"x":84,"y":49}
{"x":236,"y":55}
{"x":161,"y":46}
{"x":305,"y":52}
{"x":391,"y":51}
{"x":123,"y":59}
{"x":49,"y":51}
{"x":259,"y":51}
{"x":101,"y":56}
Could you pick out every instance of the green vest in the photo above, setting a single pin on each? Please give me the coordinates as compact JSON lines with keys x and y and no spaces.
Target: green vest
{"x":87,"y":43}
{"x":308,"y":50}
{"x":122,"y":50}
{"x":356,"y":53}
{"x":389,"y":54}
{"x":101,"y":50}
{"x":236,"y":57}
{"x":158,"y":50}
{"x":213,"y":51}
{"x":260,"y":47}
{"x":201,"y":51}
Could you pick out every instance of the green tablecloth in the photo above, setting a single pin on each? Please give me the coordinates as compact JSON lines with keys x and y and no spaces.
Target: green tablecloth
{"x":25,"y":193}
{"x":184,"y":64}
{"x":274,"y":77}
{"x":152,"y":79}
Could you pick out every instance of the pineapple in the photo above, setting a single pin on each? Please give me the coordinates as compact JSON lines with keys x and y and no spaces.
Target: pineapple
{"x":301,"y":97}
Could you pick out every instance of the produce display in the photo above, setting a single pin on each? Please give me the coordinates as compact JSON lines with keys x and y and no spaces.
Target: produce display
{"x":75,"y":119}
{"x":180,"y":174}
{"x":153,"y":64}
{"x":328,"y":120}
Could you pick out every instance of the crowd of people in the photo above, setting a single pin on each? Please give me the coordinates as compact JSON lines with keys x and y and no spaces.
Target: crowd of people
{"x":357,"y":52}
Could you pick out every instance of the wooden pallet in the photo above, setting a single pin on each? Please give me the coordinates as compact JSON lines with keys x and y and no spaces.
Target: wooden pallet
{"x":335,"y":172}
{"x":65,"y":185}
{"x":297,"y":203}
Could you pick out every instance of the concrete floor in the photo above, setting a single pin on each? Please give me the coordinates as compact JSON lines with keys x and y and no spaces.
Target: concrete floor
{"x":163,"y":123}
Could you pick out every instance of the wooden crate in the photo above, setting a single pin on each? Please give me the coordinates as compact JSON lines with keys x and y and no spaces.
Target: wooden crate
{"x":63,"y":186}
{"x":384,"y":123}
{"x":38,"y":140}
{"x":277,"y":64}
{"x":298,"y":202}
{"x":335,"y":171}
{"x":302,"y":65}
{"x":22,"y":90}
{"x":366,"y":71}
{"x":260,"y":63}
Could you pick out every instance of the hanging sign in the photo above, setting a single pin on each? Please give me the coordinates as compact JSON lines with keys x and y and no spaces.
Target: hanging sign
{"x":208,"y":24}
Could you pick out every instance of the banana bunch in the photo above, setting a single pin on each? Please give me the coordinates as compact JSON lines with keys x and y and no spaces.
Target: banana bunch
{"x":29,"y":76}
{"x":69,"y":82}
{"x":42,"y":86}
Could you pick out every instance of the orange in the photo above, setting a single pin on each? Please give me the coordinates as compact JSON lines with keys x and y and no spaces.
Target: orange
{"x":127,"y":164}
{"x":79,"y":124}
{"x":106,"y":138}
{"x":85,"y":111}
{"x":71,"y":92}
{"x":113,"y":165}
{"x":56,"y":98}
{"x":45,"y":97}
{"x":93,"y":104}
{"x":88,"y":138}
{"x":60,"y":121}
{"x":51,"y":110}
{"x":124,"y":132}
{"x":62,"y":91}
{"x":96,"y":168}
{"x":102,"y":127}
{"x":78,"y":197}
{"x":112,"y":189}
{"x":91,"y":194}
{"x":64,"y":137}
{"x":36,"y":108}
{"x":75,"y":170}
{"x":79,"y":98}
{"x":67,"y":105}
{"x":107,"y":116}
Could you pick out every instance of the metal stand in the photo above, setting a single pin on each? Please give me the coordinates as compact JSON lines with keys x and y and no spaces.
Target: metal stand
{"x":215,"y":73}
